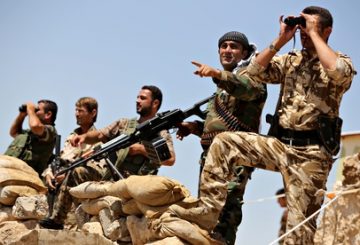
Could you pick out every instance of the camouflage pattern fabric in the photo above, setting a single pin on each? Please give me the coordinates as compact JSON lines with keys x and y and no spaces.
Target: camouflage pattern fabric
{"x":91,"y":171}
{"x":309,"y":90}
{"x":304,"y":169}
{"x":37,"y":150}
{"x":243,"y":100}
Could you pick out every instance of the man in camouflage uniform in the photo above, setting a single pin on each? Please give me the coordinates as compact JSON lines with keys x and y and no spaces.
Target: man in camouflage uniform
{"x":237,"y":106}
{"x":86,"y":109}
{"x":313,"y":82}
{"x":34,"y":145}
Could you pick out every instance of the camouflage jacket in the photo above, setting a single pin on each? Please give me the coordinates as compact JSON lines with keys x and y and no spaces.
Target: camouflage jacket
{"x":241,"y":98}
{"x":308,"y":89}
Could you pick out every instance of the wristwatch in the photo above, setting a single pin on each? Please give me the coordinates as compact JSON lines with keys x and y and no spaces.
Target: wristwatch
{"x":273,"y":48}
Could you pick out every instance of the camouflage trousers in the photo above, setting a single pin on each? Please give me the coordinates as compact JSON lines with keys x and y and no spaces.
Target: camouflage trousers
{"x":304,"y":171}
{"x":231,"y":214}
{"x":64,"y":201}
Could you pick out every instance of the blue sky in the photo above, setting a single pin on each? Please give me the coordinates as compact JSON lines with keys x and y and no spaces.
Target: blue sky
{"x":63,"y":50}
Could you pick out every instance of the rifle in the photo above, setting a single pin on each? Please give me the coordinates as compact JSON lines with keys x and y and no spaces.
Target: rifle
{"x":55,"y":166}
{"x":146,"y":133}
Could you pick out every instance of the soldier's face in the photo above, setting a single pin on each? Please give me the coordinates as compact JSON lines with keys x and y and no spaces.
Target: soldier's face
{"x":231,"y":53}
{"x":144,"y":102}
{"x":83,"y":116}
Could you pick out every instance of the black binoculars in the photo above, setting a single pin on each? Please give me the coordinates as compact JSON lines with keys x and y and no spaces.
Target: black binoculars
{"x":22,"y":108}
{"x":293,"y":21}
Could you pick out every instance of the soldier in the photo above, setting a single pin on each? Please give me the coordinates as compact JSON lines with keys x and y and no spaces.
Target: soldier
{"x":86,"y":109}
{"x":313,"y":82}
{"x":130,"y":161}
{"x":34,"y":145}
{"x":237,"y":106}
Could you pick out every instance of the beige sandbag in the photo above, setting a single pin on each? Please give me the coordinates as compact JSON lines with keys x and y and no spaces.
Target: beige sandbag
{"x":8,"y":194}
{"x":94,"y":206}
{"x":16,"y":163}
{"x":155,"y":190}
{"x":155,"y":212}
{"x":143,"y":230}
{"x":130,"y":207}
{"x":169,"y":226}
{"x":10,"y":176}
{"x":168,"y":240}
{"x":95,"y":189}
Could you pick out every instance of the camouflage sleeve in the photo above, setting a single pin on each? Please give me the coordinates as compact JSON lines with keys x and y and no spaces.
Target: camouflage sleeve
{"x":69,"y":152}
{"x":344,"y":71}
{"x":114,"y":129}
{"x":49,"y":134}
{"x":273,"y":73}
{"x":241,"y":86}
{"x":166,"y":135}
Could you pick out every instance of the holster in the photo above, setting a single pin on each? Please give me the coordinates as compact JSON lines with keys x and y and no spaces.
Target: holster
{"x":330,"y":133}
{"x":273,"y":120}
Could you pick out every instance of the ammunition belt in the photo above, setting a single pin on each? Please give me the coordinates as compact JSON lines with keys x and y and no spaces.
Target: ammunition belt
{"x":231,"y":122}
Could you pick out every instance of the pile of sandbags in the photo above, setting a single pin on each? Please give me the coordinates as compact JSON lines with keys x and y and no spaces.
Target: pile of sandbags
{"x":21,"y":190}
{"x":117,"y":206}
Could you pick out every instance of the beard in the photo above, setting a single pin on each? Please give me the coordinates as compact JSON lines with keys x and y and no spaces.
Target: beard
{"x":144,"y":111}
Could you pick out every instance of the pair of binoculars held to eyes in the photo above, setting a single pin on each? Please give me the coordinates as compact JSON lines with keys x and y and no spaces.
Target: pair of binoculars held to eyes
{"x":22,"y":108}
{"x":293,"y":21}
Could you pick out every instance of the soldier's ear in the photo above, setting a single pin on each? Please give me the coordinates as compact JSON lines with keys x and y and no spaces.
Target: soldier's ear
{"x":327,"y":31}
{"x":48,"y":115}
{"x":156,"y":104}
{"x":93,"y":113}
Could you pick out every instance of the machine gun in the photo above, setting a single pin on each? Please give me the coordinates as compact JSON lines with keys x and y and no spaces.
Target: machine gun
{"x":146,"y":133}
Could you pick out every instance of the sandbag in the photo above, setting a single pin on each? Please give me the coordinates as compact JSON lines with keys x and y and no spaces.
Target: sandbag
{"x":143,"y":230}
{"x":155,"y":190}
{"x":169,"y":240}
{"x":94,"y":206}
{"x":95,"y":189}
{"x":8,"y":194}
{"x":16,"y":163}
{"x":169,"y":226}
{"x":130,"y":207}
{"x":9,"y":176}
{"x":156,"y":211}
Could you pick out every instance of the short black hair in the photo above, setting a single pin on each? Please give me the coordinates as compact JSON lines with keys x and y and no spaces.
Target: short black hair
{"x":50,"y":106}
{"x":326,"y":19}
{"x":280,"y":191}
{"x":156,"y":93}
